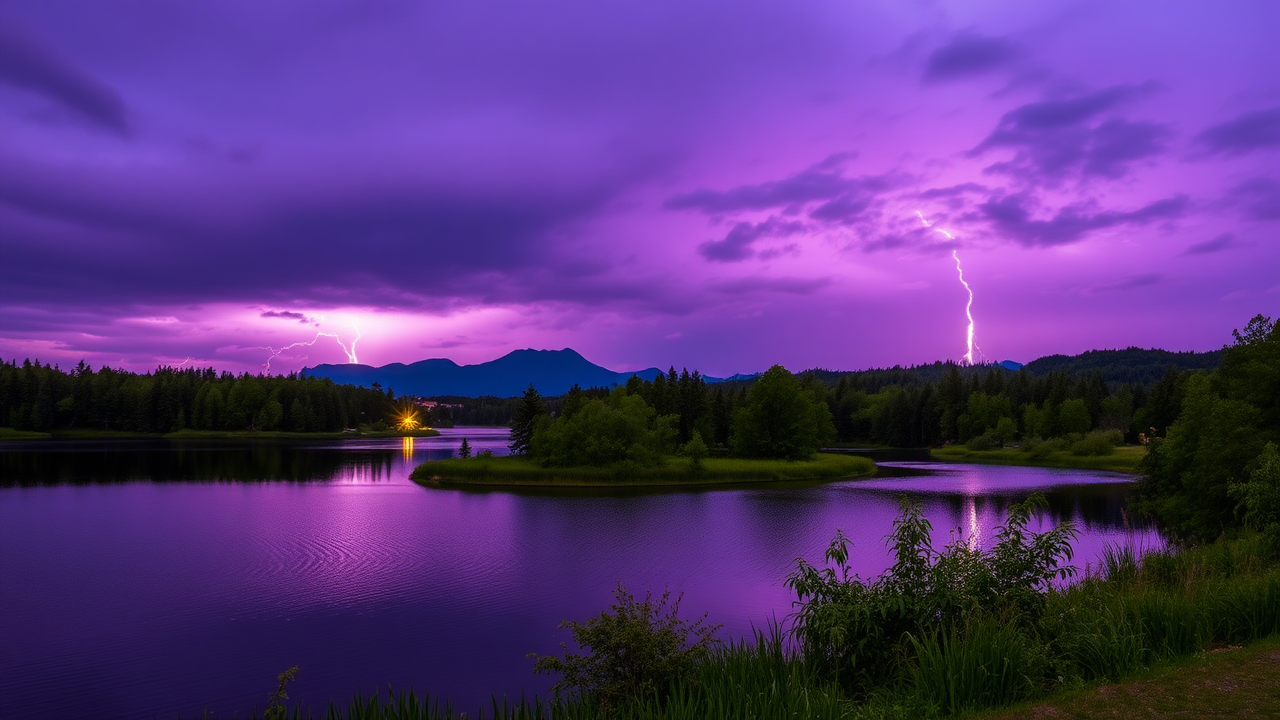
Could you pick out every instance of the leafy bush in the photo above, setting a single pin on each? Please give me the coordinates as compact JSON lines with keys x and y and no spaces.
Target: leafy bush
{"x":1259,"y":498}
{"x":859,"y":629}
{"x":636,"y":651}
{"x":1096,"y":443}
{"x":982,"y":442}
{"x":696,"y":450}
{"x":622,"y":429}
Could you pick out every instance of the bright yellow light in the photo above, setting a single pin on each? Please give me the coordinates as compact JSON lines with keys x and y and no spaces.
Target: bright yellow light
{"x":406,"y":447}
{"x":407,"y":419}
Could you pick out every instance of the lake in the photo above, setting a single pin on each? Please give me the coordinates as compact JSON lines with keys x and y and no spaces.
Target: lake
{"x":154,"y":580}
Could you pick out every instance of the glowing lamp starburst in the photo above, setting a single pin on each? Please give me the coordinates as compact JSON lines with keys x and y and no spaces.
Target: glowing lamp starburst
{"x":406,"y":418}
{"x":408,"y":421}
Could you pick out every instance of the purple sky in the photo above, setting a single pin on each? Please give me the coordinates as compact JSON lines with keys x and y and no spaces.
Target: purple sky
{"x":719,"y":185}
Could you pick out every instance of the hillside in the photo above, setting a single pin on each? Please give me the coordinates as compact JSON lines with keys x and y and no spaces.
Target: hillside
{"x":1131,"y":365}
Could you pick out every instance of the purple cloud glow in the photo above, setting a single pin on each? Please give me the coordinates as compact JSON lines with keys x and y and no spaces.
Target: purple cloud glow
{"x":716,"y":186}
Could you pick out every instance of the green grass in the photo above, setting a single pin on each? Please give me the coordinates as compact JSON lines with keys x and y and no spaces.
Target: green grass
{"x":1225,"y":682}
{"x":15,"y":435}
{"x":1125,"y":459}
{"x":514,"y":471}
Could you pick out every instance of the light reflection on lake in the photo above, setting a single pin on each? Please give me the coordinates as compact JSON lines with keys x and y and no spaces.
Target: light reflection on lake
{"x":145,"y":579}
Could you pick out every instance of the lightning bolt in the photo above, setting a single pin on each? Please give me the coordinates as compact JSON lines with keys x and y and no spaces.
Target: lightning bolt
{"x":970,"y":345}
{"x":350,"y":351}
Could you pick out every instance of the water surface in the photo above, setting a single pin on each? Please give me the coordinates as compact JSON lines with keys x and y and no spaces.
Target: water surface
{"x":149,"y":580}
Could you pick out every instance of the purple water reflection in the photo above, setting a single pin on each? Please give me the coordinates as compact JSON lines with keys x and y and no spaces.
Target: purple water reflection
{"x":176,"y":587}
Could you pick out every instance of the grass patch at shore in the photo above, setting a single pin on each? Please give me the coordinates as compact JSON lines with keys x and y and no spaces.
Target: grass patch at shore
{"x":1124,"y":459}
{"x":18,"y":435}
{"x":1225,"y":682}
{"x":500,"y":471}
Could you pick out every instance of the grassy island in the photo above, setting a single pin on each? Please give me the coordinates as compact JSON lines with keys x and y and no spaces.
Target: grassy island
{"x":1123,"y":459}
{"x":518,"y":471}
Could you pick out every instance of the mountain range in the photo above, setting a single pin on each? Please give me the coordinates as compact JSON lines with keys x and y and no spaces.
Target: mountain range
{"x":552,"y":372}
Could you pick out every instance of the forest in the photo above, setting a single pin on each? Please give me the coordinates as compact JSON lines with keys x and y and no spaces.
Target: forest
{"x":44,"y":398}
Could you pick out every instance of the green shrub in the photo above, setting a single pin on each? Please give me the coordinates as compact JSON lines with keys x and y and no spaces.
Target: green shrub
{"x":859,"y":629}
{"x":621,"y":429}
{"x":982,"y":442}
{"x":635,"y":652}
{"x":1096,"y":443}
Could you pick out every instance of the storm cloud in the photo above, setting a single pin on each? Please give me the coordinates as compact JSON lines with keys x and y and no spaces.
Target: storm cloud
{"x":205,"y":179}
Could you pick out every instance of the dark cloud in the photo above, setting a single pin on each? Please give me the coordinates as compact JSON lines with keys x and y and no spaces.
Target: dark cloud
{"x":1010,"y":216}
{"x":968,"y":54}
{"x":1049,"y":115}
{"x":737,"y":243}
{"x":289,"y":315}
{"x":360,"y":239}
{"x":790,"y":285}
{"x":1225,"y":241}
{"x":823,"y":181}
{"x":831,"y":200}
{"x":1052,"y":139}
{"x":1257,"y":198}
{"x":1257,"y":130}
{"x":27,"y":63}
{"x":952,"y":191}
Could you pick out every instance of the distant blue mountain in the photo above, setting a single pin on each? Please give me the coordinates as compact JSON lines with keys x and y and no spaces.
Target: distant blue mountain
{"x":552,"y":372}
{"x":1010,"y":365}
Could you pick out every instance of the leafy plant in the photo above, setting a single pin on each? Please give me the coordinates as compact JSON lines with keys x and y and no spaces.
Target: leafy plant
{"x":632,"y":653}
{"x":859,"y":629}
{"x":276,"y":709}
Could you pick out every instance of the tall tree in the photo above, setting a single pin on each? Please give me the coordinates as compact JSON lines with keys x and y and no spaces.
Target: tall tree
{"x":780,"y":419}
{"x":526,"y":417}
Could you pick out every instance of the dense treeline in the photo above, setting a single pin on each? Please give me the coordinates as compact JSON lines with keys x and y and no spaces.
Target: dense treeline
{"x":44,"y":397}
{"x":1132,"y":365}
{"x":923,"y":406}
{"x":1219,"y":464}
{"x":928,"y":405}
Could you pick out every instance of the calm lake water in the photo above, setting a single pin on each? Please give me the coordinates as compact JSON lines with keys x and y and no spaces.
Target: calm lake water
{"x":151,"y":580}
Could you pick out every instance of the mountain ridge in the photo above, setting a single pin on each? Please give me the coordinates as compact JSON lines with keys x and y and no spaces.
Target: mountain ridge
{"x":552,"y":372}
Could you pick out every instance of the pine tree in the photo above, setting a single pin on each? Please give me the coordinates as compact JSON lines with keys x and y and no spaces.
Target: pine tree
{"x":464,"y":450}
{"x":525,"y":419}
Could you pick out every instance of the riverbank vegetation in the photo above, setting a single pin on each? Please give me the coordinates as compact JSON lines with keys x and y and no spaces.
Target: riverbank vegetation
{"x":45,"y":399}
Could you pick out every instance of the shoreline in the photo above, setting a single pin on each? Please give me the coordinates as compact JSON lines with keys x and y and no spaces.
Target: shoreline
{"x":1125,"y":459}
{"x":510,"y":472}
{"x":7,"y":435}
